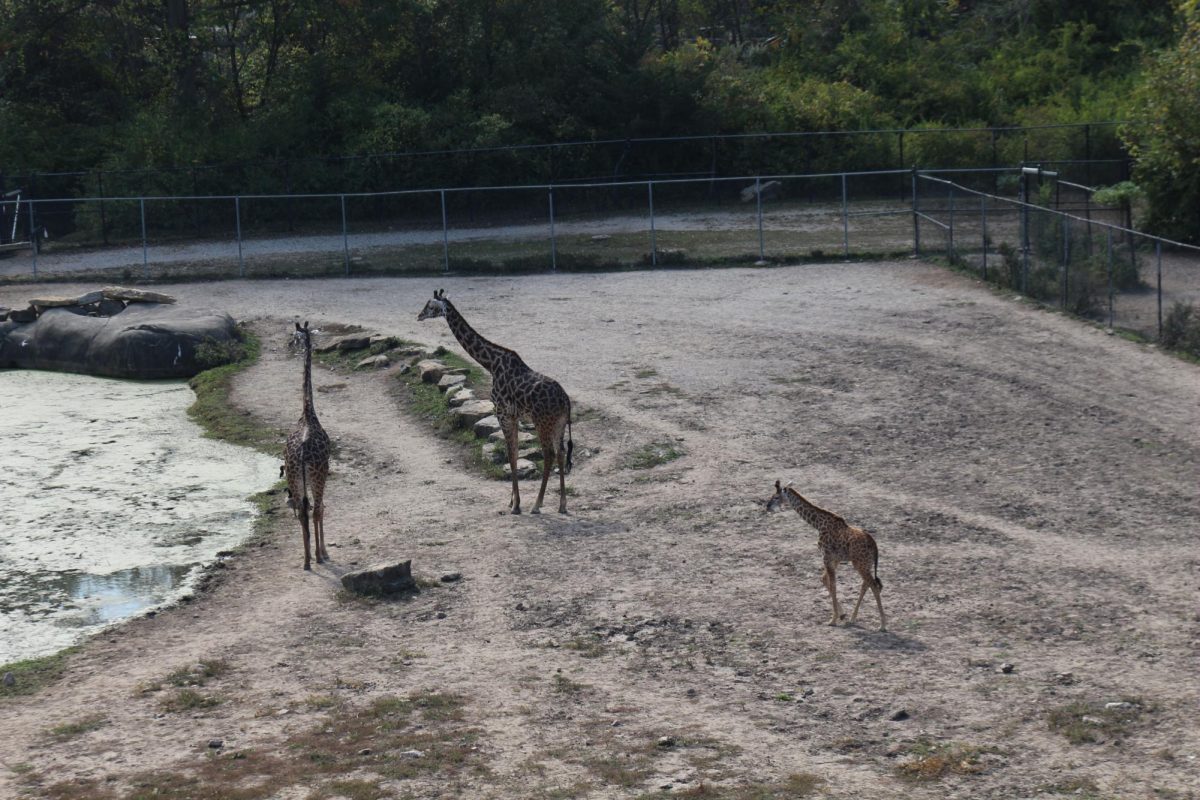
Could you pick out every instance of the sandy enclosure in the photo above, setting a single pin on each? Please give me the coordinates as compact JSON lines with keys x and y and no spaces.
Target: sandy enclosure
{"x":1032,"y":483}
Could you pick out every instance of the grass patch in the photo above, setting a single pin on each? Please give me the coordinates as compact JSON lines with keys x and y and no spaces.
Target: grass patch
{"x":1092,"y":723}
{"x":219,"y":418}
{"x":196,"y":674}
{"x":564,"y":685}
{"x":79,"y":727}
{"x":653,"y":454}
{"x":794,"y":786}
{"x":188,"y":700}
{"x":930,"y":762}
{"x":32,"y":675}
{"x":587,"y":647}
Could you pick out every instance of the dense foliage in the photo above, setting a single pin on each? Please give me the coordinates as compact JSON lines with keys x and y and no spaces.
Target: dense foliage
{"x":120,"y":84}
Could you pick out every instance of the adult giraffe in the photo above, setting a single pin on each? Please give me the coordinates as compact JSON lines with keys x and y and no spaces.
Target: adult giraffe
{"x":306,"y":460}
{"x":517,"y":392}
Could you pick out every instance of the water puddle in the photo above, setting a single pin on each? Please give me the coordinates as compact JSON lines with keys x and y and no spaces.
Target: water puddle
{"x":111,"y":500}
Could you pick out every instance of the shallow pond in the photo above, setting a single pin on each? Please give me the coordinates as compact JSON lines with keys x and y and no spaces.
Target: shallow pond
{"x":112,"y":500}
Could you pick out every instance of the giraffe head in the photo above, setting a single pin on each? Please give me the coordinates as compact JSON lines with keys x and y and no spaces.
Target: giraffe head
{"x":435,"y":307}
{"x":777,"y":500}
{"x":302,"y":337}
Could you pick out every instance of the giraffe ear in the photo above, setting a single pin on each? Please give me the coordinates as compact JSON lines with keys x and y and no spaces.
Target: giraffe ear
{"x":298,"y":326}
{"x":777,"y":486}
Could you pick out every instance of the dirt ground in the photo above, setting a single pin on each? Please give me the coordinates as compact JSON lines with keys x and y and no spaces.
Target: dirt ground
{"x":1031,"y":481}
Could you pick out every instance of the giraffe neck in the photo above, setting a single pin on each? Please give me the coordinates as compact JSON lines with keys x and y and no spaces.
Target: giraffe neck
{"x":488,"y":354}
{"x":819,"y":518}
{"x":310,"y":411}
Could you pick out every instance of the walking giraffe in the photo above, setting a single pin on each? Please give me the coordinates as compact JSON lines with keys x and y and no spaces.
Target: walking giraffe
{"x":306,"y":460}
{"x":839,"y":543}
{"x":517,"y":392}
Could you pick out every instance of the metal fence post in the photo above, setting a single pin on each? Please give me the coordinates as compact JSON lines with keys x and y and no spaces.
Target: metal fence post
{"x":983,"y":232}
{"x":653,"y":238}
{"x":758,"y":191}
{"x":950,"y":228}
{"x":33,"y":237}
{"x":845,"y":221}
{"x":553,"y":239}
{"x":145,"y":249}
{"x":237,"y":210}
{"x":445,"y":237}
{"x":1158,"y":258}
{"x":345,"y":237}
{"x":1066,"y":261}
{"x":100,"y":190}
{"x":915,"y":213}
{"x":1110,"y":279}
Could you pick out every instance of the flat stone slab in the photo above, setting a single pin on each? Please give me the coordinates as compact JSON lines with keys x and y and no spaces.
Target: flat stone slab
{"x":136,"y":295}
{"x":446,"y":381}
{"x":486,"y":427}
{"x":523,"y":437}
{"x":430,"y":371}
{"x":381,"y":579}
{"x":59,"y":302}
{"x":468,"y":414}
{"x":346,"y":343}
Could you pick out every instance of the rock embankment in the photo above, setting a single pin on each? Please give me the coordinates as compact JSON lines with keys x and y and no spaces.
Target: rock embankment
{"x":116,"y":332}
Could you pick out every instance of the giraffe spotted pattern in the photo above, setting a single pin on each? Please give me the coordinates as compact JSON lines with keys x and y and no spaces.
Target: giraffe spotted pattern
{"x":306,"y":461}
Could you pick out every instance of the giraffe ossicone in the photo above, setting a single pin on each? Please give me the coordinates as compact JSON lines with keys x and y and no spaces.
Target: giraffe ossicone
{"x":517,"y":393}
{"x":839,"y":543}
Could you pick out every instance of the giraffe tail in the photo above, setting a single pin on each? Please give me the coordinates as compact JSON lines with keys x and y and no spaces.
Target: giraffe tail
{"x":878,"y":583}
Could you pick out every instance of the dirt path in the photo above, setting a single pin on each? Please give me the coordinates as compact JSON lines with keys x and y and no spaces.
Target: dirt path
{"x":1031,"y":481}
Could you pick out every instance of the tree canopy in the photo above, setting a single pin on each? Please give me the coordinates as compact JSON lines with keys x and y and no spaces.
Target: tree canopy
{"x":117,"y":84}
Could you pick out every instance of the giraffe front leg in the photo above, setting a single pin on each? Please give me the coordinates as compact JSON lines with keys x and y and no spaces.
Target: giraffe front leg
{"x":861,"y":593}
{"x":562,"y":481}
{"x":318,"y":489}
{"x":508,"y":423}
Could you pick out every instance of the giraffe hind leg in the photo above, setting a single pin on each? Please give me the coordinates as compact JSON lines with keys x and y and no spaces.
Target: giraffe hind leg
{"x":509,"y":425}
{"x":304,"y":529}
{"x":546,"y":439}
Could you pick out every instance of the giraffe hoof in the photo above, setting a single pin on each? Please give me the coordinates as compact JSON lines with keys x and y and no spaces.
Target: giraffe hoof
{"x":562,"y":510}
{"x":535,"y":511}
{"x":308,"y":567}
{"x":516,"y":510}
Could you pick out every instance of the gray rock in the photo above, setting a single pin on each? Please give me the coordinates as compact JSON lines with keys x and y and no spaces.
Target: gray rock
{"x":60,"y":301}
{"x":412,"y":754}
{"x":523,"y":437}
{"x":146,"y":341}
{"x":899,"y":715}
{"x":1006,"y":668}
{"x":486,"y":427}
{"x":136,"y":295}
{"x":23,"y":315}
{"x":109,"y":307}
{"x":451,"y":577}
{"x":366,"y":751}
{"x":466,"y":415}
{"x":525,"y":469}
{"x":9,"y":679}
{"x":447,"y":381}
{"x":216,"y":744}
{"x":381,"y":579}
{"x":4,"y":313}
{"x":353,"y":341}
{"x":374,"y":362}
{"x":430,"y":371}
{"x":456,"y":396}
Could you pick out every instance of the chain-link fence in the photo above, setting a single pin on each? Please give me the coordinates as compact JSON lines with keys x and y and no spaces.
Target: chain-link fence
{"x":1028,"y":229}
{"x":1051,"y":243}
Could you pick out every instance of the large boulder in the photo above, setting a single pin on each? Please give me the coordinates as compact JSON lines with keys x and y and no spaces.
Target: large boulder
{"x":381,"y":579}
{"x":144,"y":341}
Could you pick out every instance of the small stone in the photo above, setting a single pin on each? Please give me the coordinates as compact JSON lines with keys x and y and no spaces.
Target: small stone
{"x":1120,"y":706}
{"x":451,"y":577}
{"x":895,"y":749}
{"x":1006,"y":668}
{"x":468,"y":414}
{"x":601,"y":237}
{"x":9,"y":679}
{"x":440,"y":615}
{"x":413,"y":754}
{"x":215,"y":744}
{"x":486,"y":427}
{"x":366,"y":751}
{"x":899,"y":715}
{"x":23,"y":315}
{"x":381,"y":579}
{"x":374,"y":362}
{"x":666,"y":741}
{"x":525,"y":469}
{"x":523,"y":437}
{"x":1065,"y":678}
{"x":4,"y":313}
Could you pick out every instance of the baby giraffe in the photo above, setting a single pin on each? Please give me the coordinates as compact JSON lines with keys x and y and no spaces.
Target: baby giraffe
{"x":839,"y":543}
